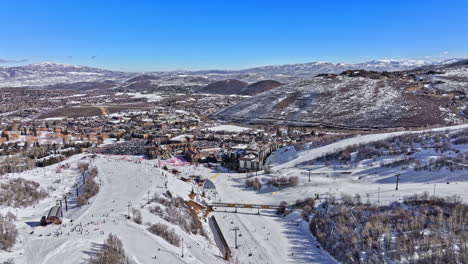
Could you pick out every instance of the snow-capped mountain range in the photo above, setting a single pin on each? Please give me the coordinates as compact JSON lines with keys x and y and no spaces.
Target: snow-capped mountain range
{"x":293,"y":72}
{"x":49,"y":73}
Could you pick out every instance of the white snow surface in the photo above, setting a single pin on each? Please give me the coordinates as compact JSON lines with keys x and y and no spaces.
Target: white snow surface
{"x":264,"y":238}
{"x":149,"y":97}
{"x":228,"y":128}
{"x":123,"y":180}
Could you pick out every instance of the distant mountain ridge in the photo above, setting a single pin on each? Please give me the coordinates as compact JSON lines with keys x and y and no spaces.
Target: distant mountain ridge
{"x":420,"y":97}
{"x":292,"y":72}
{"x":49,"y":73}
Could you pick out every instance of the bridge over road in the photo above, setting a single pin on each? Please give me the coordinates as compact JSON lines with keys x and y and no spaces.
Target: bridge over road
{"x":237,"y":205}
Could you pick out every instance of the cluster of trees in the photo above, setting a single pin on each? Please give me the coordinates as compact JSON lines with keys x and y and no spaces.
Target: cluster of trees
{"x":253,"y":182}
{"x":83,"y":167}
{"x":460,"y":138}
{"x":283,"y":181}
{"x":393,"y":146}
{"x":37,"y":151}
{"x":136,"y":216}
{"x":18,"y":159}
{"x":58,"y":156}
{"x":306,"y":205}
{"x":19,"y":192}
{"x":362,"y":152}
{"x":15,"y":164}
{"x":422,"y":229}
{"x":399,"y":162}
{"x":459,"y":162}
{"x":5,"y":136}
{"x":166,"y":233}
{"x":8,"y":231}
{"x":157,"y":210}
{"x":111,"y":252}
{"x":178,"y":213}
{"x":4,"y":107}
{"x":407,"y":144}
{"x":90,"y":187}
{"x":49,"y":160}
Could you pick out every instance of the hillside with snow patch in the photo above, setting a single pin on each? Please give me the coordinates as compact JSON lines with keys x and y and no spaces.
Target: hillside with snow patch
{"x":49,"y":73}
{"x":360,"y":99}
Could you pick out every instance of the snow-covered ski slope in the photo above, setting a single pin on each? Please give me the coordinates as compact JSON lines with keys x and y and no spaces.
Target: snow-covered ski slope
{"x":123,"y":182}
{"x":264,"y":238}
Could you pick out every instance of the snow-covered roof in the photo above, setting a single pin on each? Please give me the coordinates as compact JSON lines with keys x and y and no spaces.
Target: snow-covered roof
{"x":181,"y":138}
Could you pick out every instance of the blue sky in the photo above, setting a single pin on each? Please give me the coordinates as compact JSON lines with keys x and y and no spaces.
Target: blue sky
{"x":168,"y":35}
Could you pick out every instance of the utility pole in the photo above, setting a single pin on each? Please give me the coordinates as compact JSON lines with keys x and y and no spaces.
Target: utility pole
{"x":397,"y":181}
{"x":235,"y":229}
{"x":66,"y":203}
{"x":378,"y":195}
{"x":433,"y":197}
{"x":129,"y":205}
{"x":309,"y":175}
{"x":182,"y":247}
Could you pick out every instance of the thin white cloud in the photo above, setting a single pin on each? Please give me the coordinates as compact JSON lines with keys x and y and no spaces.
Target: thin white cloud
{"x":4,"y":61}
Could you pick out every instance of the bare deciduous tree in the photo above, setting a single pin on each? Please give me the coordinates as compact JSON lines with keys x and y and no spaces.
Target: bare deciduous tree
{"x":112,"y":252}
{"x":8,"y":233}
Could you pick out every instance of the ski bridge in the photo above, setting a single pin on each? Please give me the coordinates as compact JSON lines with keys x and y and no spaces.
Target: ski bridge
{"x":212,"y":206}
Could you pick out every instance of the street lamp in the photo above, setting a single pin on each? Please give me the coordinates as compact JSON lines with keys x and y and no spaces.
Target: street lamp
{"x":235,"y":229}
{"x":397,"y":181}
{"x":129,"y":205}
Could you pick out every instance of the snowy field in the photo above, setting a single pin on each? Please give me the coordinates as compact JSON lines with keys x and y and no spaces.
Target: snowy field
{"x":228,"y":128}
{"x":148,"y":96}
{"x":123,"y":181}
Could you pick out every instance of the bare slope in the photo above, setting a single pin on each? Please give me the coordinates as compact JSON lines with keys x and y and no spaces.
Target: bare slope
{"x":259,"y":87}
{"x":229,"y":86}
